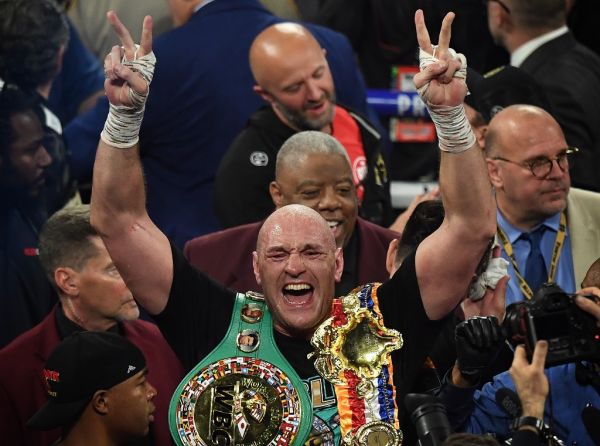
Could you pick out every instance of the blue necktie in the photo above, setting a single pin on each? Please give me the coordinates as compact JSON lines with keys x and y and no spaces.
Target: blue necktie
{"x":535,"y":268}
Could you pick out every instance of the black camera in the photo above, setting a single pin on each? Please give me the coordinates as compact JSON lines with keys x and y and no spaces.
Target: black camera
{"x":553,"y":315}
{"x":428,"y":414}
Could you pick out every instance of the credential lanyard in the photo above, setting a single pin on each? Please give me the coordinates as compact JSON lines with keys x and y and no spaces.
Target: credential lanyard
{"x":556,"y":251}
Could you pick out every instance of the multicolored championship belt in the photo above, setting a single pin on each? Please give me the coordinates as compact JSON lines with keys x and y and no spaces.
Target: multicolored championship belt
{"x":244,"y":392}
{"x":352,"y":350}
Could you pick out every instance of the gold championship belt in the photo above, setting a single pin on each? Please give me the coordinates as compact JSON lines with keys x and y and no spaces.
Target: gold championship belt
{"x":352,"y":351}
{"x":244,"y":392}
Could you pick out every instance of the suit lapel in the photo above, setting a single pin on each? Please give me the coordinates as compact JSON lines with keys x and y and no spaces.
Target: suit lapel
{"x":585,"y":235}
{"x":540,"y":56}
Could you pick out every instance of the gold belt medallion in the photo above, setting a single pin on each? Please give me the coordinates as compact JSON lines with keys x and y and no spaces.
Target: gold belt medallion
{"x":352,"y":350}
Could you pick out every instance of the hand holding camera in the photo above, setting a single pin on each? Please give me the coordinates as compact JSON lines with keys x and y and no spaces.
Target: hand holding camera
{"x":530,"y":381}
{"x":589,"y":301}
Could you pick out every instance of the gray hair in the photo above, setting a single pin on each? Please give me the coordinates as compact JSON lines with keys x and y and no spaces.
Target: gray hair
{"x":299,"y":146}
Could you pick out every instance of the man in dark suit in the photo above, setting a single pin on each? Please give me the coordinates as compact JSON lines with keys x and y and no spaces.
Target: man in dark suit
{"x":313,"y":169}
{"x":539,"y":42}
{"x":201,"y":98}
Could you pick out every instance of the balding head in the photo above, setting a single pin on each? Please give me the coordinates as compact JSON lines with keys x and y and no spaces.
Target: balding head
{"x":519,"y":124}
{"x":274,"y":44}
{"x":297,"y":264}
{"x":292,"y":75}
{"x":291,"y":217}
{"x":527,"y":164}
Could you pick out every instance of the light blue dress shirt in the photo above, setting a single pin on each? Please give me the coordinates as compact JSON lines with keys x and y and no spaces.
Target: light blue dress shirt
{"x":564,"y":406}
{"x":565,"y":274}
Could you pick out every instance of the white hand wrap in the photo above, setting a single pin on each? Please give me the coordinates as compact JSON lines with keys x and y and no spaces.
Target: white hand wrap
{"x":496,"y":270}
{"x":122,"y":126}
{"x":453,"y":129}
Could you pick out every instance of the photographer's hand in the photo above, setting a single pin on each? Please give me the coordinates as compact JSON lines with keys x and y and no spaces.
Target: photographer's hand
{"x":589,"y":305}
{"x":530,"y":380}
{"x":478,"y":341}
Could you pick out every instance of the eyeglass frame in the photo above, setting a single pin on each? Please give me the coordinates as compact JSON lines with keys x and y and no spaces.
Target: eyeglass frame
{"x":501,"y":3}
{"x":570,"y":150}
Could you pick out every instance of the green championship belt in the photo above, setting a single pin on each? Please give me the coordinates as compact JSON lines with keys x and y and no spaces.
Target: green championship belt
{"x":244,"y":392}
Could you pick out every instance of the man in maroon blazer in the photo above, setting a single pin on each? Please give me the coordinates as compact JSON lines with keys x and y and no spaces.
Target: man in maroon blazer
{"x":312,"y":169}
{"x":93,"y":297}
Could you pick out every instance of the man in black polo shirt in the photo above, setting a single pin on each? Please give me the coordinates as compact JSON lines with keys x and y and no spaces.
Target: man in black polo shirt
{"x":312,"y":169}
{"x":293,"y":77}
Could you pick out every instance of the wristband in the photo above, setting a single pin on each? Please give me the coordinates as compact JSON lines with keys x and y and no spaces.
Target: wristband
{"x":534,"y":422}
{"x":453,"y":129}
{"x":122,"y":126}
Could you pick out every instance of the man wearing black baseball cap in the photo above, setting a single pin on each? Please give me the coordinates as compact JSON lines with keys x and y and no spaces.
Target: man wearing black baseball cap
{"x":97,"y":391}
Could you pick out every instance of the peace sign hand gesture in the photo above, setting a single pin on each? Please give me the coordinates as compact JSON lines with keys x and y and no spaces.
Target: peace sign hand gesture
{"x":441,"y":80}
{"x":129,"y":68}
{"x":441,"y":85}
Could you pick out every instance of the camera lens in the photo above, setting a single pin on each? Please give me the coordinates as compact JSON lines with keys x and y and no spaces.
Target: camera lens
{"x":513,"y":326}
{"x":428,"y":414}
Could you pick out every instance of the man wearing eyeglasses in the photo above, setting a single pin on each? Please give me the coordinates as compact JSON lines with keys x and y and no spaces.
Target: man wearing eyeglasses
{"x":528,"y":163}
{"x":535,"y":34}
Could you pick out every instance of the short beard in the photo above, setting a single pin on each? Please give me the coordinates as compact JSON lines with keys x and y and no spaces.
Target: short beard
{"x":299,"y":121}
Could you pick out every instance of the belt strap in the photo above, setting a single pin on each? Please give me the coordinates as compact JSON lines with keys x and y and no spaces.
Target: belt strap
{"x":244,"y":392}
